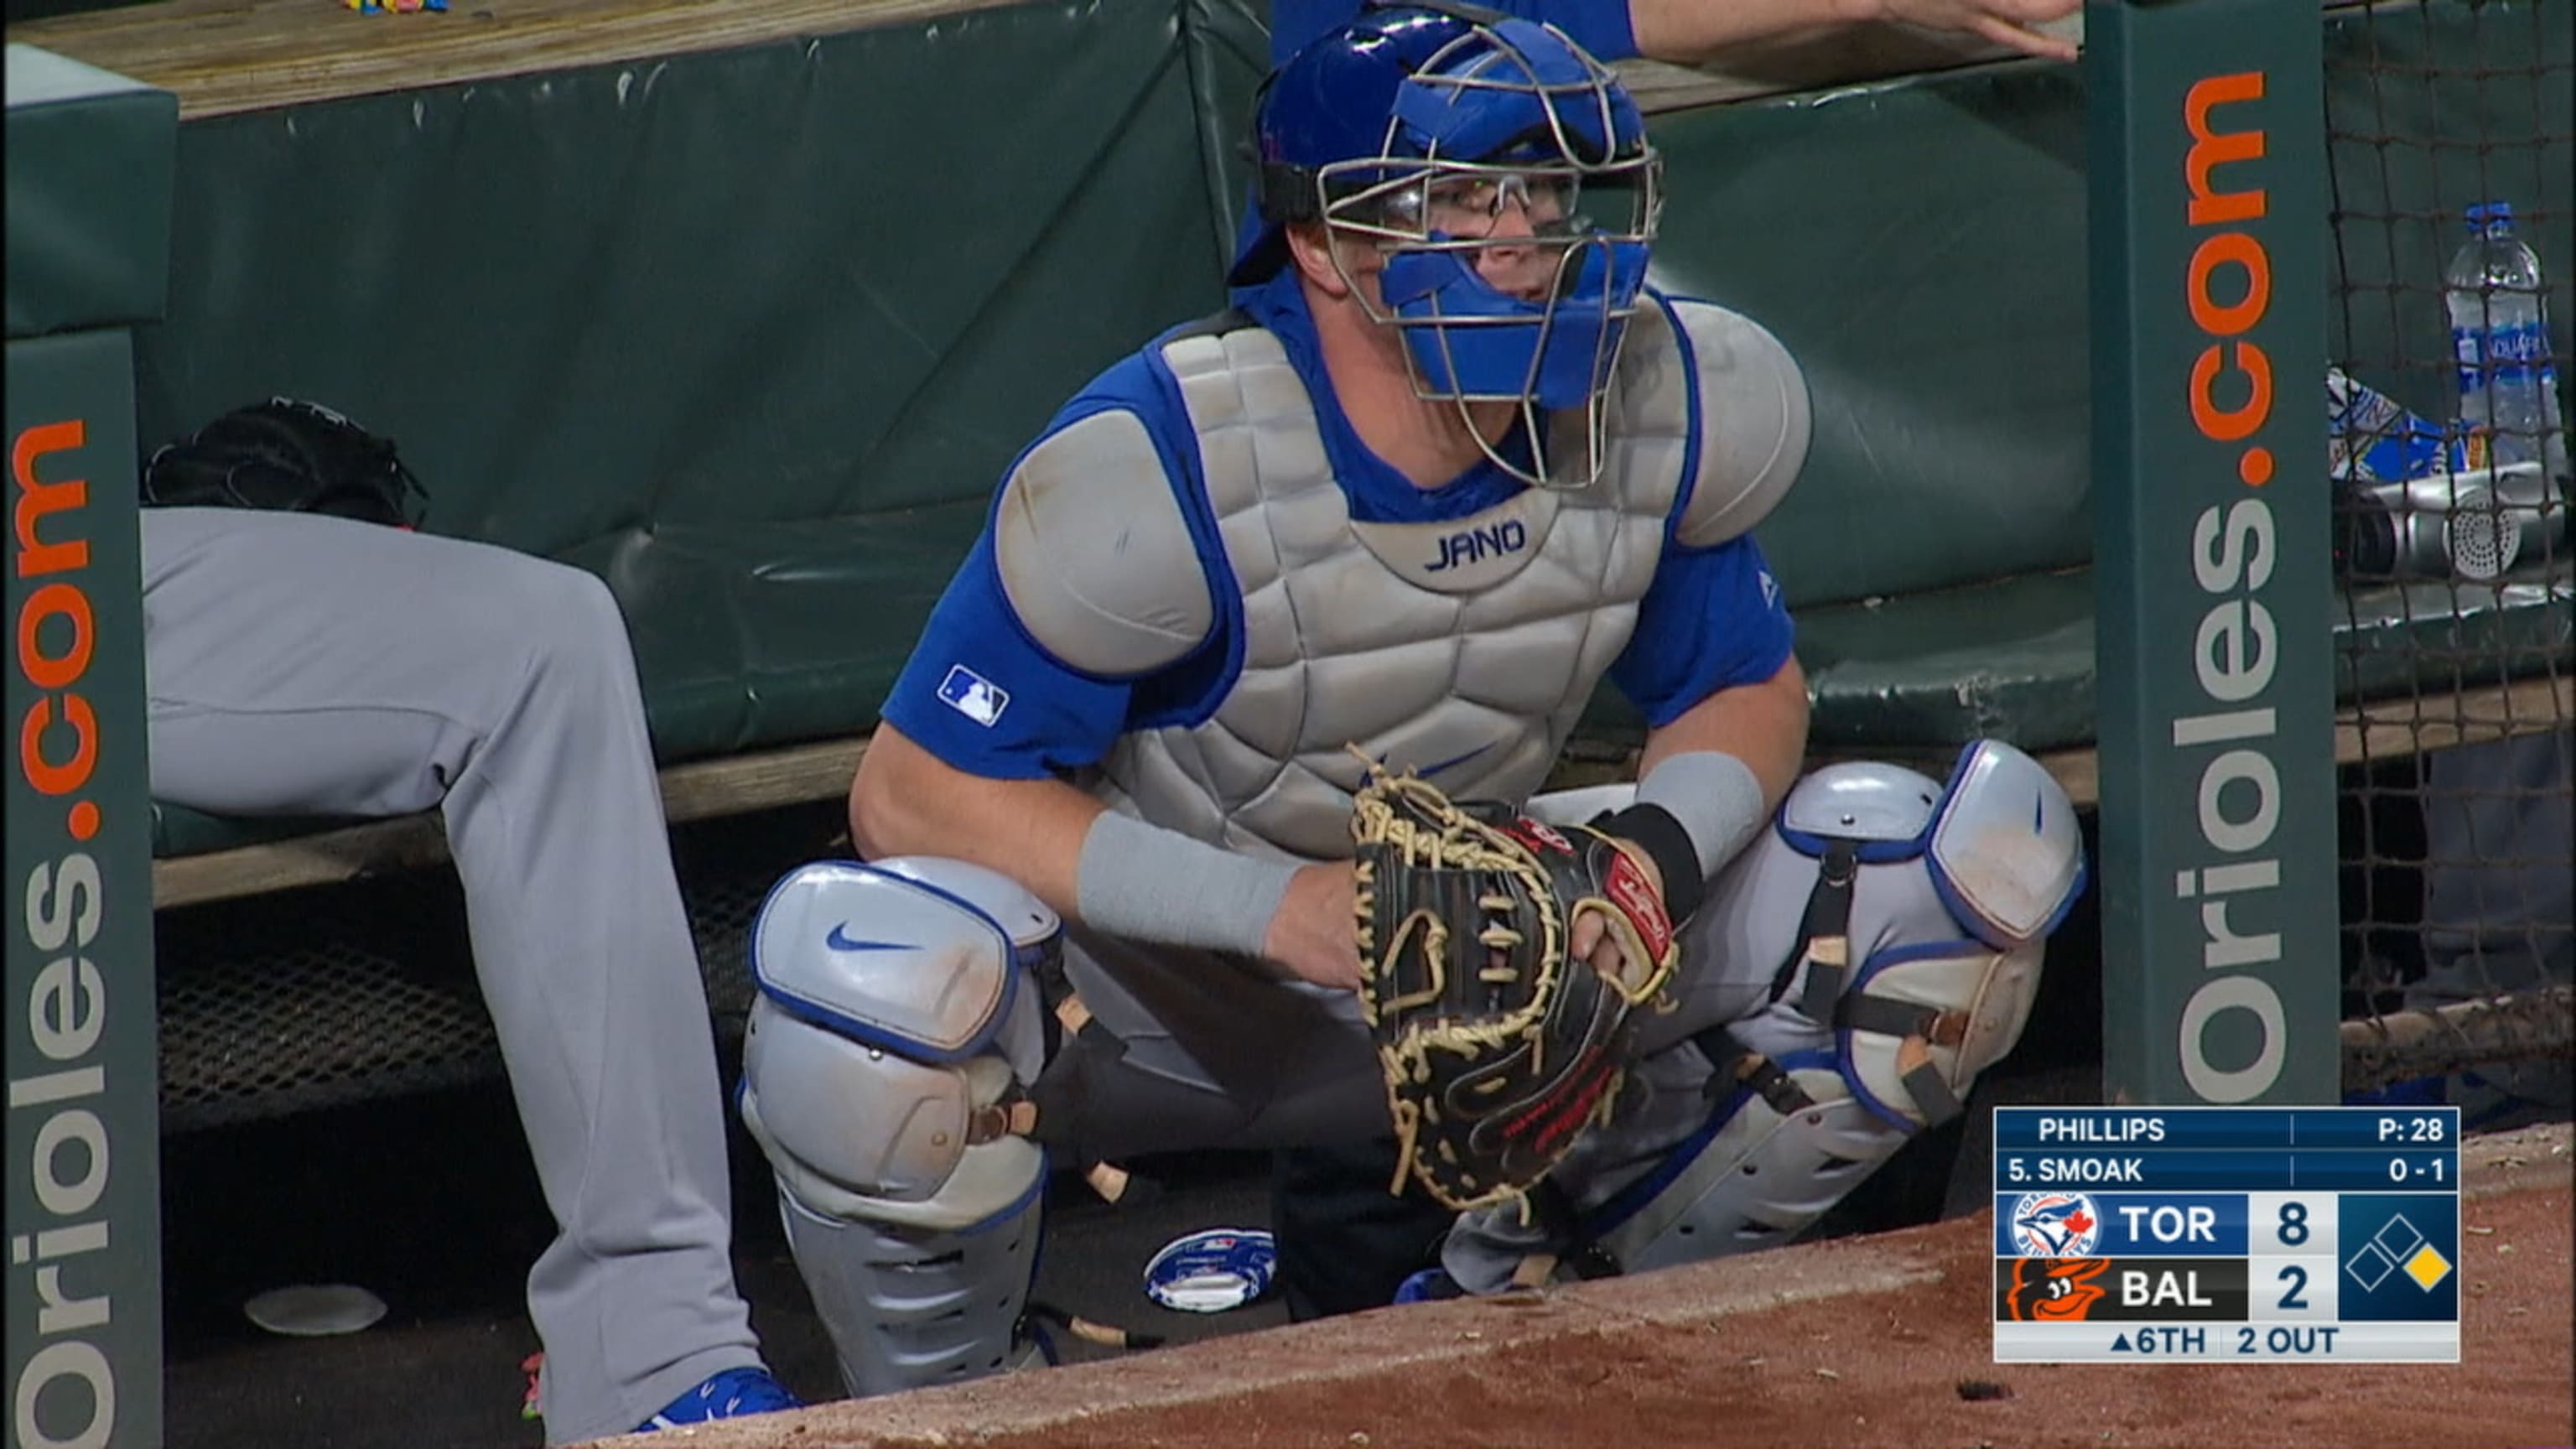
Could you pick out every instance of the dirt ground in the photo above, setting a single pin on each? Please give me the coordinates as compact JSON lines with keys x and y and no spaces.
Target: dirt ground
{"x":1885,"y":1370}
{"x":1872,"y":1347}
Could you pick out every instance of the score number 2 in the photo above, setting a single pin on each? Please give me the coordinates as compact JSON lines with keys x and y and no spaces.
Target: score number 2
{"x":2297,"y":1278}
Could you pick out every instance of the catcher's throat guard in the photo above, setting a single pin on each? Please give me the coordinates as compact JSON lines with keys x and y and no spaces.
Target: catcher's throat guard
{"x":1498,"y":1047}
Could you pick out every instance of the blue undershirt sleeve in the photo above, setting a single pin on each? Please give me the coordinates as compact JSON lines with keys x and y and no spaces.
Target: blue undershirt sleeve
{"x":980,"y":694}
{"x":985,"y":697}
{"x":1712,"y":620}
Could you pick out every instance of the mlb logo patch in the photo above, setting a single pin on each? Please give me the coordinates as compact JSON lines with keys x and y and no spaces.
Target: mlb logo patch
{"x":974,"y":696}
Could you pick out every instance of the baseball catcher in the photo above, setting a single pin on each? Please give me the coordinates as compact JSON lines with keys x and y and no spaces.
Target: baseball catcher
{"x":1448,"y":467}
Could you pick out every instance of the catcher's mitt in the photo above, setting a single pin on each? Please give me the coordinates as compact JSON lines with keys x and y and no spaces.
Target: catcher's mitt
{"x":1498,"y":1048}
{"x":288,"y":455}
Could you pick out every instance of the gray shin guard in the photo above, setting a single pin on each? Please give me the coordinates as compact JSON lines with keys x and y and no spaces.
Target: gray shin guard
{"x":908,"y":1307}
{"x":898,"y":1018}
{"x":1912,"y":919}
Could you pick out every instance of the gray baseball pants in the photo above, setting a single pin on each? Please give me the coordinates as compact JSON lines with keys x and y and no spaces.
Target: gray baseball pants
{"x":1194,"y":1050}
{"x":306,"y":665}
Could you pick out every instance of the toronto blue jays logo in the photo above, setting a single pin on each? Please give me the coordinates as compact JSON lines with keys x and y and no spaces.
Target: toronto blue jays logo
{"x":2055,"y":1225}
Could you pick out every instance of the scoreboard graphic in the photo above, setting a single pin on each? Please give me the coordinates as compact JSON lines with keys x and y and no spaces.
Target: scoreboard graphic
{"x":2227,"y":1234}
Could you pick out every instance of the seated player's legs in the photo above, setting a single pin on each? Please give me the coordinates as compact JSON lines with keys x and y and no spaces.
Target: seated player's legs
{"x":1850,"y":975}
{"x":300,"y":664}
{"x":899,"y":1076}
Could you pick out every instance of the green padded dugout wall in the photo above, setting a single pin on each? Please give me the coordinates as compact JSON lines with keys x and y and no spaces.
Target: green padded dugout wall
{"x":753,"y":332}
{"x":784,"y":282}
{"x":1920,"y":246}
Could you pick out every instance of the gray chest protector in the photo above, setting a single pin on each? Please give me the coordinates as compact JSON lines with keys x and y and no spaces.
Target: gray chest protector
{"x":1465,"y":648}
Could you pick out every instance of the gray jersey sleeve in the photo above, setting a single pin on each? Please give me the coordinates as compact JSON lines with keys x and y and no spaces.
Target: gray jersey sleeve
{"x":1754,"y":422}
{"x":1094,"y":553}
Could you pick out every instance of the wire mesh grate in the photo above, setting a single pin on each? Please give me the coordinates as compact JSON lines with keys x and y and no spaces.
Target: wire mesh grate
{"x":285,"y":1003}
{"x":2457,"y":627}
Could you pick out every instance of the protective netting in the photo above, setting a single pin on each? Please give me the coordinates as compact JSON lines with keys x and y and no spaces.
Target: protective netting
{"x":320,"y":997}
{"x":2454,"y":567}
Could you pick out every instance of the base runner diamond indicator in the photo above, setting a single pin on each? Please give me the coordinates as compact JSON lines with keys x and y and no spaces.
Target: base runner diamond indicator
{"x":2427,"y":1267}
{"x":2369,"y":1267}
{"x":2398,"y":1239}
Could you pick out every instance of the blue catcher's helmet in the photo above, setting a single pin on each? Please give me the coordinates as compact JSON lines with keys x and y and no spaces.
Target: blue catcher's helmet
{"x":1506,"y":179}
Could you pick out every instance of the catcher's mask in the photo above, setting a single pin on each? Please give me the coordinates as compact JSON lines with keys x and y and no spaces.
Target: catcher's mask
{"x":1466,"y":147}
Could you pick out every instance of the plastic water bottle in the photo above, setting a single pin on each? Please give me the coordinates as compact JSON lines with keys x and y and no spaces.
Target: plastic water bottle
{"x":2500,"y":336}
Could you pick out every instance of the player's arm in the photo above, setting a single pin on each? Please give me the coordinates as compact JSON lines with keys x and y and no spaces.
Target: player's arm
{"x":908,"y":801}
{"x":1710,"y":663}
{"x":1707,"y":780}
{"x":986,"y":720}
{"x":1084,"y":581}
{"x":1691,"y":32}
{"x":1686,"y":31}
{"x":1763,"y":724}
{"x":1727,"y":728}
{"x":1091,"y":577}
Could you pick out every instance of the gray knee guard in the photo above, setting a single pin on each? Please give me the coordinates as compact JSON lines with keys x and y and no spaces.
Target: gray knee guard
{"x":897,"y":1025}
{"x":1909,"y":921}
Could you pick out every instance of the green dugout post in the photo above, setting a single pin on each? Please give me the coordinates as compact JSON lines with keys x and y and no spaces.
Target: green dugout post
{"x":2207,"y":189}
{"x":90,"y":159}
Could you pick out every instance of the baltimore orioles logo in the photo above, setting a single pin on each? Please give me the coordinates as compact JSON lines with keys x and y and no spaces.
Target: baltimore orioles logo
{"x":2055,"y":1290}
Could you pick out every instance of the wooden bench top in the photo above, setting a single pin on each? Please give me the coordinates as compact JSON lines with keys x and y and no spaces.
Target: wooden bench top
{"x":225,"y":56}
